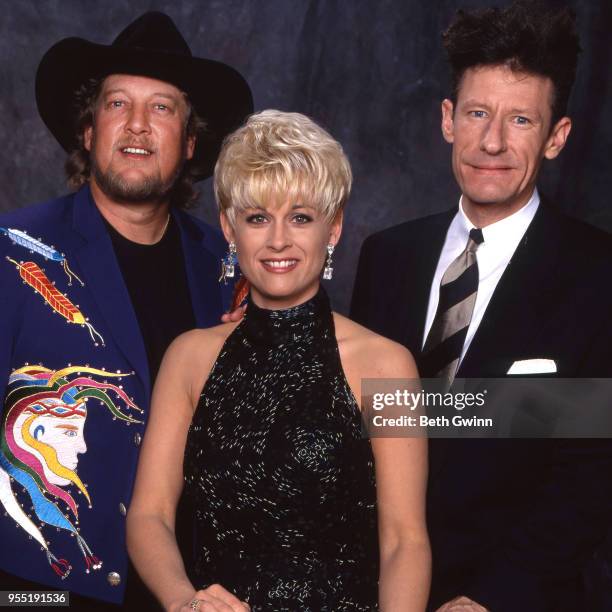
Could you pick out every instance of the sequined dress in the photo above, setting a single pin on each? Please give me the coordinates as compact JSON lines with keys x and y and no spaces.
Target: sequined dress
{"x":280,"y":476}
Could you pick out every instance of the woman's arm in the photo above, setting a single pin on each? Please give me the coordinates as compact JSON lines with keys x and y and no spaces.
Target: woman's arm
{"x":401,"y":482}
{"x":405,"y":556}
{"x":151,"y":519}
{"x":401,"y":475}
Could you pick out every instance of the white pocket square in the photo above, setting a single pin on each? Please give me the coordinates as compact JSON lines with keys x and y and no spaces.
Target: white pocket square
{"x":533,"y":366}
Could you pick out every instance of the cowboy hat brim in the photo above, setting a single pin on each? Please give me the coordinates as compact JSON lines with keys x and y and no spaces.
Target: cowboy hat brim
{"x":218,"y":93}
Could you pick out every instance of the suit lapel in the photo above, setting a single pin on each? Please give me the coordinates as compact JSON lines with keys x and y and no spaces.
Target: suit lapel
{"x":514,"y":317}
{"x":202,"y":268}
{"x":518,"y":308}
{"x":104,"y":281}
{"x":425,"y":248}
{"x":416,"y":282}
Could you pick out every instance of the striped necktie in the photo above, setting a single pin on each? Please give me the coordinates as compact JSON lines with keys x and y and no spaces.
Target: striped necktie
{"x":458,"y":289}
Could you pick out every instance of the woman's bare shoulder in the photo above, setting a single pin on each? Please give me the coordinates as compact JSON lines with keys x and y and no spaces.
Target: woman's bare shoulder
{"x":191,"y":356}
{"x":198,"y":346}
{"x":372,"y":354}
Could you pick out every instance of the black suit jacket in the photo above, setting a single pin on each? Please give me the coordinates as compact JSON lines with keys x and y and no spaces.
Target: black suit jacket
{"x":512,"y":522}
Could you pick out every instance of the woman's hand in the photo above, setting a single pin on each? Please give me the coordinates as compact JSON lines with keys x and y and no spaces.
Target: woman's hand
{"x":212,"y":599}
{"x":235,"y":315}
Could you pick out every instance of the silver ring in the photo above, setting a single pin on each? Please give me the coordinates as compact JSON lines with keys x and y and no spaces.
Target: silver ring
{"x":195,"y":604}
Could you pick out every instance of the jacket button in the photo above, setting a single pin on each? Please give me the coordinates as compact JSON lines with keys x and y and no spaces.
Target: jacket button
{"x":122,"y":509}
{"x":137,"y":439}
{"x":114,"y":579}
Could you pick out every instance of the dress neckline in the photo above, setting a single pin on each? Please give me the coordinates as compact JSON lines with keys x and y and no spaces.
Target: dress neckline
{"x":302,"y":323}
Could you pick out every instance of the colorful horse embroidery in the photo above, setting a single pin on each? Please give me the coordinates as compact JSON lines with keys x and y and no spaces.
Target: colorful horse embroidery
{"x":41,"y":439}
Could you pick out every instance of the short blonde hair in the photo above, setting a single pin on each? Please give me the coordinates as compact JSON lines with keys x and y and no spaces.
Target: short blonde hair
{"x":277,"y":156}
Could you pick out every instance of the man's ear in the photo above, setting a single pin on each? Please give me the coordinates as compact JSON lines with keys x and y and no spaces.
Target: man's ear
{"x":336,"y":228}
{"x":447,"y":121}
{"x":226,"y":226}
{"x":87,"y":137}
{"x":558,"y":137}
{"x":191,"y":143}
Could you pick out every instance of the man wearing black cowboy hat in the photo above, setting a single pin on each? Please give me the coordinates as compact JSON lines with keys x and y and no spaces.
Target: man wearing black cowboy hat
{"x":94,"y":286}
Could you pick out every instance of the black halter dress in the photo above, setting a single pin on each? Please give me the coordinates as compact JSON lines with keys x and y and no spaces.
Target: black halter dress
{"x":280,"y":476}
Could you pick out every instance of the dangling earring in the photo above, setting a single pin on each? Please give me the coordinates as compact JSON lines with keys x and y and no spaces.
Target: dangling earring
{"x":228,"y":264}
{"x":328,"y":271}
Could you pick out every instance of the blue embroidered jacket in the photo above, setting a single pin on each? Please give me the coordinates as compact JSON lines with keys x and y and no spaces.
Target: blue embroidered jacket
{"x":74,"y":378}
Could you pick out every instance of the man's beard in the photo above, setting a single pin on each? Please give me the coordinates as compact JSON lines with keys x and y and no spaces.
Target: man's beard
{"x":147,"y":189}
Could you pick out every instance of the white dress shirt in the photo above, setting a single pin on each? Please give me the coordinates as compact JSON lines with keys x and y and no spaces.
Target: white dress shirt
{"x":493,"y":255}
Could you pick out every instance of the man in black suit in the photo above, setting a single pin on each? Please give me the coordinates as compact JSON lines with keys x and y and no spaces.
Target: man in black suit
{"x":504,"y":285}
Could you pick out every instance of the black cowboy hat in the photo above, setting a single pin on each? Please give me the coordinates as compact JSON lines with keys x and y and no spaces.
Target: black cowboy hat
{"x":153,"y":47}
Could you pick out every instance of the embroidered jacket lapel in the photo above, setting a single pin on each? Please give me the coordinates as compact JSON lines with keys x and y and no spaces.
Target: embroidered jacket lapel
{"x":103,"y":279}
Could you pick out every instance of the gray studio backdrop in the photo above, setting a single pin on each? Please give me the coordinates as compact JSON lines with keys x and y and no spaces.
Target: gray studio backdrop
{"x":371,"y":71}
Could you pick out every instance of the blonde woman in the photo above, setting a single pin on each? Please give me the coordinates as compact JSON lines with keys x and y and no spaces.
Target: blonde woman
{"x":295,"y":510}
